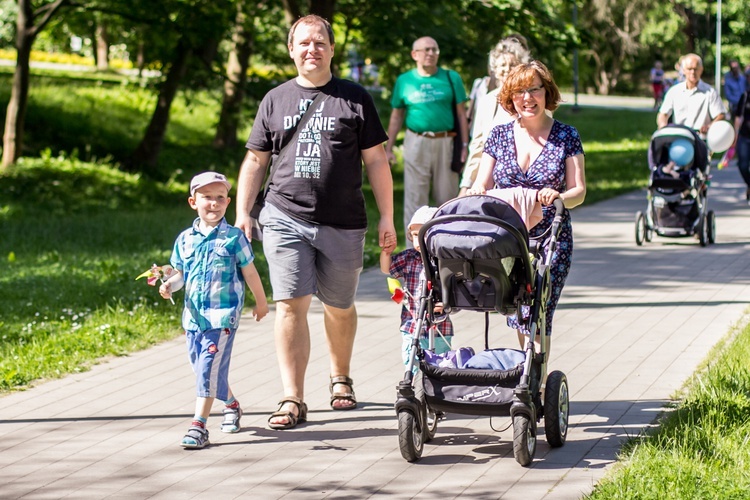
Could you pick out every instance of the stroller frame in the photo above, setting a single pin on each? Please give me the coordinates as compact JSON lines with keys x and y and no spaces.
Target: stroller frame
{"x":677,"y":207}
{"x":419,"y":411}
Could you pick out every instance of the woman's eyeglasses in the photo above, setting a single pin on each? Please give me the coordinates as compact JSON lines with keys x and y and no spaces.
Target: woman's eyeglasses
{"x":533,"y":91}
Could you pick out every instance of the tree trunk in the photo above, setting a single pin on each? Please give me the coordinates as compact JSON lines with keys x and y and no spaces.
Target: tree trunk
{"x":234,"y":85}
{"x":292,"y":11}
{"x":102,"y":46}
{"x":140,"y":58}
{"x":16,"y":112}
{"x":26,"y":33}
{"x":323,"y":8}
{"x":146,"y":155}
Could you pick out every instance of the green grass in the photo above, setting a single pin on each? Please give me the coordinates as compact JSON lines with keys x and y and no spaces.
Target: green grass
{"x":701,"y":449}
{"x":616,"y":146}
{"x":76,"y":230}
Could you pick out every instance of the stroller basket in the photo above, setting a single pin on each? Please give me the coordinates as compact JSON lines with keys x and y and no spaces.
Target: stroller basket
{"x":472,"y":392}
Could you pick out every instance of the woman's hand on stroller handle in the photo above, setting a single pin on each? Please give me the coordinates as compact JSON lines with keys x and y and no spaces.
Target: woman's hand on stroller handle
{"x":547,"y":196}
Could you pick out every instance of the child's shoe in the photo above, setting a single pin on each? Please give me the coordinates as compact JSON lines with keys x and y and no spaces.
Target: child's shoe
{"x":196,"y":438}
{"x":231,"y":423}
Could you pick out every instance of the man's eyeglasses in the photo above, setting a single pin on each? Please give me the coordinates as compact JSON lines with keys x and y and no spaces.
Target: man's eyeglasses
{"x":429,"y":50}
{"x":533,"y":91}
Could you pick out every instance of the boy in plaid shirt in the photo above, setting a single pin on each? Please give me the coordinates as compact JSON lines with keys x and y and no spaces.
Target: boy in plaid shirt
{"x":214,"y":261}
{"x":409,"y":266}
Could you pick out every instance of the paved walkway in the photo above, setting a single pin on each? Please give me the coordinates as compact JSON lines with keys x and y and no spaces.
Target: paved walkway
{"x":633,"y":324}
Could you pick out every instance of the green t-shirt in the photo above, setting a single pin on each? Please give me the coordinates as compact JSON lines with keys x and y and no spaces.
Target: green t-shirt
{"x":428,"y":99}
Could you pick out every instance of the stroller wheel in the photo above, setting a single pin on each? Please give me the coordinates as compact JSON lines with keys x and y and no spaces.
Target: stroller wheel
{"x":702,"y":231}
{"x":409,"y":436}
{"x":429,"y":417}
{"x":556,"y":409}
{"x":640,"y":229}
{"x":711,"y":226}
{"x":524,"y":439}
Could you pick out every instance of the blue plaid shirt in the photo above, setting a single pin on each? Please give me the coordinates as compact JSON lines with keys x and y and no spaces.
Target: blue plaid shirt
{"x":214,"y":286}
{"x":408,"y":265}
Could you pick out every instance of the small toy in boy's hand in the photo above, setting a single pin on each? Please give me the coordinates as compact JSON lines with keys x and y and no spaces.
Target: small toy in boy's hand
{"x":397,"y":292}
{"x":160,"y":273}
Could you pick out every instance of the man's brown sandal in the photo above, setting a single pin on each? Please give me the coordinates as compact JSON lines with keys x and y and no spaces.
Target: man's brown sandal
{"x":343,"y":396}
{"x":292,"y":419}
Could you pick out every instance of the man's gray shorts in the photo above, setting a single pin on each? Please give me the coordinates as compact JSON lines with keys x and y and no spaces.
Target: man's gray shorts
{"x":305,"y":259}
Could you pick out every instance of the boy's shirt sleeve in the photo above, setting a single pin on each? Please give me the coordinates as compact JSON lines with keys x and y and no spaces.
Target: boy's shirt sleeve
{"x":398,"y":265}
{"x":176,"y":260}
{"x":243,"y":250}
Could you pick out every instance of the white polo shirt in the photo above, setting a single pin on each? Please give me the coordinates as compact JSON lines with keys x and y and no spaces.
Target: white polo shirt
{"x":693,"y":108}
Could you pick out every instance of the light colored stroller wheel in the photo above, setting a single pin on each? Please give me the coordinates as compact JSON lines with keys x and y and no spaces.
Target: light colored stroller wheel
{"x":711,"y":226}
{"x":556,"y":409}
{"x":429,"y":417}
{"x":640,"y":229}
{"x":524,"y":439}
{"x":409,"y":437}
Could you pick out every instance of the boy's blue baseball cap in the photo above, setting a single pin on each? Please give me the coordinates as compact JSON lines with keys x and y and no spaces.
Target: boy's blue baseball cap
{"x":207,"y":178}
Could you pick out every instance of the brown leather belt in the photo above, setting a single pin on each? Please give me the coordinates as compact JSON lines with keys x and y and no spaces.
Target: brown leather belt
{"x":435,"y":135}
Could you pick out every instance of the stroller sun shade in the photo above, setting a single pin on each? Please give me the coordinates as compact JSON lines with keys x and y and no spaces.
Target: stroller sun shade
{"x":658,"y":151}
{"x":474,"y":244}
{"x":475,"y":239}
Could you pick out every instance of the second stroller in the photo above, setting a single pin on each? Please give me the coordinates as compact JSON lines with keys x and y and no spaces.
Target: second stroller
{"x":678,"y":188}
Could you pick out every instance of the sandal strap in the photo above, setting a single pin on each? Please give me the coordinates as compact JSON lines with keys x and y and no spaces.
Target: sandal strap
{"x":342,"y":379}
{"x":291,"y":399}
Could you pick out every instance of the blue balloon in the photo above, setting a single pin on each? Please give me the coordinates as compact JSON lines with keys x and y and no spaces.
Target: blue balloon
{"x":681,"y":152}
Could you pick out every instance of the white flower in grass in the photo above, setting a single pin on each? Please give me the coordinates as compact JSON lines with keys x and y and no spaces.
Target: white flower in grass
{"x":105,"y":327}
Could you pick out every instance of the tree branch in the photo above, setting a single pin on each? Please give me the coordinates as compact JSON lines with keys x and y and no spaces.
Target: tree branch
{"x":46,"y":11}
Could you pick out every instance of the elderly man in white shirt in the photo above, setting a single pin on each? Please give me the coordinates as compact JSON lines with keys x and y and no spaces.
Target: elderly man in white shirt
{"x":692,"y":103}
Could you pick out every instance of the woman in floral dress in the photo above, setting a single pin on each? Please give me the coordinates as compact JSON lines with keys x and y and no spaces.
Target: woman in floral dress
{"x":536,"y":151}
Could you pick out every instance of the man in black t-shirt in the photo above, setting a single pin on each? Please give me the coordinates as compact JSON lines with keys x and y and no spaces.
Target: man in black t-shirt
{"x":314,"y":220}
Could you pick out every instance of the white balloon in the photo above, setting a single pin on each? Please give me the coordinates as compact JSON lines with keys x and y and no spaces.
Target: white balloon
{"x":720,"y":136}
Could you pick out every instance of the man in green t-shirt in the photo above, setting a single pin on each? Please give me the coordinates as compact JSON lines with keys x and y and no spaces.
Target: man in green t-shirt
{"x":425,"y":97}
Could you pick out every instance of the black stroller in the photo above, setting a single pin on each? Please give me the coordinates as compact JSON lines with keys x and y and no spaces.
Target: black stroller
{"x":478,"y":257}
{"x":677,"y":197}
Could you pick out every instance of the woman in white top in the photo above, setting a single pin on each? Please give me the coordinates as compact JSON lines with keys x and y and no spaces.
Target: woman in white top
{"x":507,"y":54}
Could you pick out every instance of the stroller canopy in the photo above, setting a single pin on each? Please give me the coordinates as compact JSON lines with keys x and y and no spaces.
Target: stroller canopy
{"x":658,"y":151}
{"x":477,"y":246}
{"x":460,"y":239}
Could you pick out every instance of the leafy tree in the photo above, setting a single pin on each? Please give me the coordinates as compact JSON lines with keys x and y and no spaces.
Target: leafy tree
{"x":31,"y":18}
{"x":236,"y":78}
{"x":612,"y":37}
{"x":196,"y":26}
